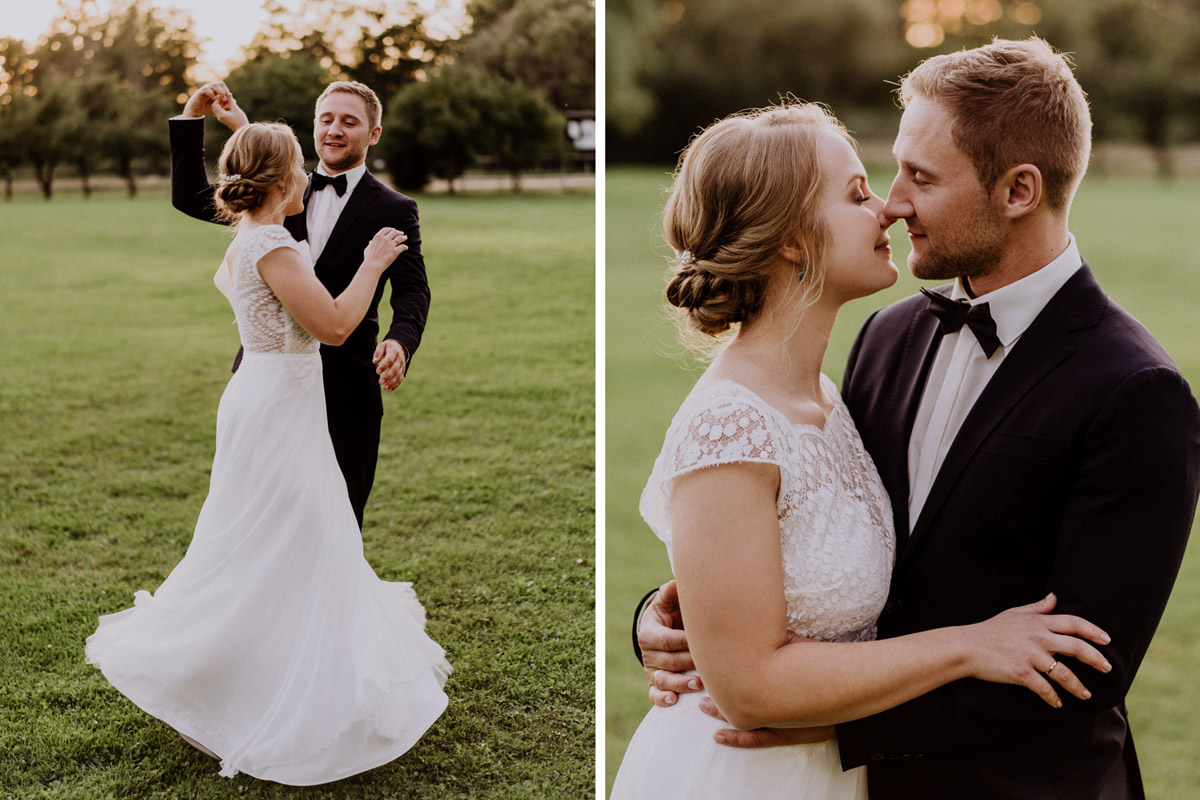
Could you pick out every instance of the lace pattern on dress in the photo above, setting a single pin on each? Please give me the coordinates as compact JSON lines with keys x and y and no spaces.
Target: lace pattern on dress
{"x":835,"y":519}
{"x":264,"y":324}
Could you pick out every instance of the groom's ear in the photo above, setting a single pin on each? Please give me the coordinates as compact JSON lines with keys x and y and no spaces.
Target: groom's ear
{"x":1019,"y":191}
{"x":374,"y":137}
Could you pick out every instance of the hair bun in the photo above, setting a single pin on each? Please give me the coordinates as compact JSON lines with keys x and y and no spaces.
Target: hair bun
{"x":256,"y":160}
{"x":714,"y":303}
{"x":238,"y":196}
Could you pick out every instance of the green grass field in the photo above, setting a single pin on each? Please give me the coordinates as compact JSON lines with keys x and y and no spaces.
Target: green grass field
{"x":1134,"y":231}
{"x":115,"y":349}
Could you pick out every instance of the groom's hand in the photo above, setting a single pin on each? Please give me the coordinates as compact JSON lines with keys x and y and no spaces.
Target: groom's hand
{"x":390,"y":363}
{"x":763,"y":737}
{"x":664,"y":647}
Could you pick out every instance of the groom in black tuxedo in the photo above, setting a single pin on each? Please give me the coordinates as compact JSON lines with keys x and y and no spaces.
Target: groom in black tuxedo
{"x":1032,"y":435}
{"x":344,"y":207}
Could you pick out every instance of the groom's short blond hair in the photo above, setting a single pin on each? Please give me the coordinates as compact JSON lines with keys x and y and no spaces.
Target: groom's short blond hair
{"x":374,"y":107}
{"x":1013,"y":102}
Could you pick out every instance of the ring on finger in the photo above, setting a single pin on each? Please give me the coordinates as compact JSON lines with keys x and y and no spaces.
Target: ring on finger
{"x":1052,"y":666}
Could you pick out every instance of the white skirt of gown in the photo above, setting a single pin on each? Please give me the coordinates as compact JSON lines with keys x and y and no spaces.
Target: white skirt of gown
{"x":273,"y":643}
{"x":673,"y":754}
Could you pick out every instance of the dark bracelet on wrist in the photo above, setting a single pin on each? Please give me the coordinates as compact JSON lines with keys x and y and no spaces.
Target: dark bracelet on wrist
{"x":637,"y":618}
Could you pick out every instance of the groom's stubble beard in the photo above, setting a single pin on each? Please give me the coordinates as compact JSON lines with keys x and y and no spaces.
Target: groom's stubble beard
{"x":971,"y":248}
{"x":345,"y":160}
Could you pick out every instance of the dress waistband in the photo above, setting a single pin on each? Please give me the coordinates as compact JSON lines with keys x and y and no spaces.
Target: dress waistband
{"x":250,"y":355}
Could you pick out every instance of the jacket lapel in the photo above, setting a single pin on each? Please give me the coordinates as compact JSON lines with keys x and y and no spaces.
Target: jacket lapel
{"x":916,"y":356}
{"x":362,"y":196}
{"x":1044,"y":345}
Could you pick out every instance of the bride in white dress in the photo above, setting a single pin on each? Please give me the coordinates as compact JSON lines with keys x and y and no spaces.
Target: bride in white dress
{"x":777,"y":525}
{"x":273,"y":645}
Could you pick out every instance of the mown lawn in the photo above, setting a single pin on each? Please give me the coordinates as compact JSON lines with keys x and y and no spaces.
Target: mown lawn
{"x":1135,"y":233}
{"x":115,"y":348}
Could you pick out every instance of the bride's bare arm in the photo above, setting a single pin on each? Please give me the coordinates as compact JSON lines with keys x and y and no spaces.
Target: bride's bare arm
{"x":330,"y":320}
{"x":729,"y":570}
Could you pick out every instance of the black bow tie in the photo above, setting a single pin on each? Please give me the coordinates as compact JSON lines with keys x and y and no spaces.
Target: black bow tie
{"x":320,"y":181}
{"x":953,"y":314}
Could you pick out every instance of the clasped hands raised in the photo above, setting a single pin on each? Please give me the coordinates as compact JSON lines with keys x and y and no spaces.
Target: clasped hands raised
{"x":215,"y":98}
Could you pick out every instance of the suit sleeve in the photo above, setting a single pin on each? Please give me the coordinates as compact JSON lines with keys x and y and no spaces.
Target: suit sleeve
{"x":410,"y":287}
{"x":191,"y":192}
{"x":1120,"y":545}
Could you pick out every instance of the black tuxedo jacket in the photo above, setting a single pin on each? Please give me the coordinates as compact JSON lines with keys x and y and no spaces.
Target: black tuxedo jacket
{"x":1077,"y":472}
{"x":351,"y":384}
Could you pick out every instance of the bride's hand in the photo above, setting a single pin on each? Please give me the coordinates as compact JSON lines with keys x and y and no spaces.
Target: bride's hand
{"x":1020,"y":646}
{"x":763,"y":737}
{"x":383,"y":249}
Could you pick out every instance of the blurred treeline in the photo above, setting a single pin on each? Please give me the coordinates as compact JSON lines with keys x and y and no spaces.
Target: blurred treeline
{"x":94,"y":92}
{"x":676,"y":65}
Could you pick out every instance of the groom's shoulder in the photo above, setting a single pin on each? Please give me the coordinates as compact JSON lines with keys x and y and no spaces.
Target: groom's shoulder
{"x":386,"y":194}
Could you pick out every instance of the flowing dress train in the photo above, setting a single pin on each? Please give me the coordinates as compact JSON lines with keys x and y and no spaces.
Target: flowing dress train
{"x":273,"y":643}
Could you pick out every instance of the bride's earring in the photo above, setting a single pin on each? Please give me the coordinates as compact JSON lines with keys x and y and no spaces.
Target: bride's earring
{"x":796,"y":256}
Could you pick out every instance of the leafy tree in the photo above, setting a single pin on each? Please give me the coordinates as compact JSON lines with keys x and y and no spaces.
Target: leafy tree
{"x":433,"y":129}
{"x":388,"y":57}
{"x":1141,"y":68}
{"x":143,"y":45}
{"x":548,"y":46}
{"x":719,"y":56}
{"x":90,"y":109}
{"x":42,"y":124}
{"x":524,"y":129}
{"x":386,"y":45}
{"x":95,"y":87}
{"x":440,"y":127}
{"x":135,"y":132}
{"x":629,"y":25}
{"x":16,"y":74}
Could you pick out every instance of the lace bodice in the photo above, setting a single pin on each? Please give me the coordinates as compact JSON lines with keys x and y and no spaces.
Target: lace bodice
{"x":835,"y":519}
{"x":264,"y":324}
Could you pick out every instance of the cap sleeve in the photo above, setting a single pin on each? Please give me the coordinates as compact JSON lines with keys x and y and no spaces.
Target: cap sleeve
{"x":267,"y":239}
{"x":708,"y":432}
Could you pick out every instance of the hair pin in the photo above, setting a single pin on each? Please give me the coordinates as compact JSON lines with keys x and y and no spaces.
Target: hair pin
{"x":229,"y":178}
{"x":685,"y":259}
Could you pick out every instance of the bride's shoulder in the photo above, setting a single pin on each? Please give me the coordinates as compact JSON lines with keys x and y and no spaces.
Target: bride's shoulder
{"x":258,"y":241}
{"x":723,"y":414}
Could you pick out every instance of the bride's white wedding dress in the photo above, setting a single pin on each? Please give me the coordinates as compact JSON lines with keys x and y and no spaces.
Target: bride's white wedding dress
{"x":273,"y":643}
{"x":835,"y":527}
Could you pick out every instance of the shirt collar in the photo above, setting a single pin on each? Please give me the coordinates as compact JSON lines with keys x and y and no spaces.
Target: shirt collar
{"x":1015,"y":306}
{"x":353,"y":176}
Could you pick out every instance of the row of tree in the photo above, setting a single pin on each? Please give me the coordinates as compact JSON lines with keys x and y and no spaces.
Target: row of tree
{"x":94,"y":91}
{"x":675,"y":66}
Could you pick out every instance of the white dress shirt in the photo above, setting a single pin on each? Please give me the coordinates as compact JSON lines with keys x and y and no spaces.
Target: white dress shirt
{"x":960,"y":370}
{"x":324,"y":208}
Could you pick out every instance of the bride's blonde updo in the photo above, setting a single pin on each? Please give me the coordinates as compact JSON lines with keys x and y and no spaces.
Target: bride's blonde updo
{"x":255,"y":160}
{"x":746,"y":187}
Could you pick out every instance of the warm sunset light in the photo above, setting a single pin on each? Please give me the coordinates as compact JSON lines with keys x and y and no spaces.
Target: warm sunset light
{"x":222,"y":27}
{"x":928,"y":21}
